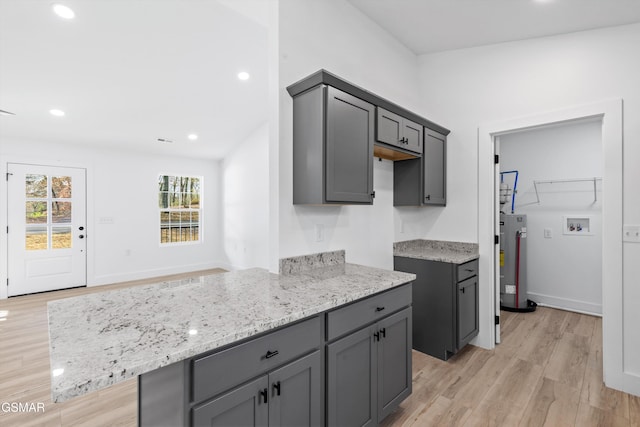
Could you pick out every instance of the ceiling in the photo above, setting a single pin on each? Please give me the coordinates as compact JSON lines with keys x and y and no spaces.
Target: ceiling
{"x":129,"y":72}
{"x":427,"y":26}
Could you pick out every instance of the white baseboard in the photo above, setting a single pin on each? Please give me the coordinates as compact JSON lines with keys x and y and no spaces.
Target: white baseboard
{"x":578,"y":306}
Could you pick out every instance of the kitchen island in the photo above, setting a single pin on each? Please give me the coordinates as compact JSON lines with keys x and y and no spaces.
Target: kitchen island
{"x":165,"y":332}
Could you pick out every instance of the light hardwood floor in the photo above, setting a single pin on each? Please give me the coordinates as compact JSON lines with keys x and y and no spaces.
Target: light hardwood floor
{"x":547,"y":371}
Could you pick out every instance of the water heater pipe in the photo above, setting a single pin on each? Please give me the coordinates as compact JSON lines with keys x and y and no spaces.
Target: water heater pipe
{"x":515,"y":185}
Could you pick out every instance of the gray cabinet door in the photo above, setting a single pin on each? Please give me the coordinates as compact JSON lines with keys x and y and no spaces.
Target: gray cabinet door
{"x":394,"y":361}
{"x":389,"y":128}
{"x":434,"y":158}
{"x":351,"y":371}
{"x":349,"y":148}
{"x":467,"y":311}
{"x":244,"y":406}
{"x":412,"y":133}
{"x":295,"y":393}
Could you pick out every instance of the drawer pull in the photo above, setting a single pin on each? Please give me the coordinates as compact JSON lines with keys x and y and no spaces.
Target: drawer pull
{"x":276,"y":387}
{"x":463,"y":290}
{"x":469,"y":270}
{"x":264,"y":395}
{"x":383,"y":331}
{"x":377,"y":336}
{"x":270,"y":354}
{"x":379,"y":308}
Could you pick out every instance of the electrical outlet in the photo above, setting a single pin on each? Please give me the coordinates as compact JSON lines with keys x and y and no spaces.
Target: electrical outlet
{"x":631,"y":233}
{"x":319,"y":232}
{"x":548,"y":233}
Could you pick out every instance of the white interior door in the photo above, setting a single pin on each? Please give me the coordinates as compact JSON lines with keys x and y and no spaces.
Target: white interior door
{"x":496,"y":229}
{"x":47,"y":230}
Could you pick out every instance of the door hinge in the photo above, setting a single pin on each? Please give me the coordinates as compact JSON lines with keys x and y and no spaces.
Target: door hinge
{"x":496,"y":158}
{"x":497,"y":320}
{"x":373,"y":194}
{"x":7,"y":282}
{"x":496,"y":240}
{"x":8,"y":174}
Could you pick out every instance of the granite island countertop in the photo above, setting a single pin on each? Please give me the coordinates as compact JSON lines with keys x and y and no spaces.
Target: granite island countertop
{"x":437,"y":250}
{"x":97,"y":340}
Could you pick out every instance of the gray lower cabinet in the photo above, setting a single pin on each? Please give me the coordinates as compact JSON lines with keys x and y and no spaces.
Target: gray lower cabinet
{"x":445,"y":301}
{"x":422,"y":182}
{"x":333,"y":137}
{"x":398,"y":131}
{"x":288,"y":396}
{"x":369,"y":371}
{"x":243,"y":406}
{"x":350,"y":366}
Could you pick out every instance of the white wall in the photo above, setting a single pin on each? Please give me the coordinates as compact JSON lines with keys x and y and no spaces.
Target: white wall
{"x":123,"y":186}
{"x":335,"y":36}
{"x":565,"y":270}
{"x":465,"y":88}
{"x":245,"y":203}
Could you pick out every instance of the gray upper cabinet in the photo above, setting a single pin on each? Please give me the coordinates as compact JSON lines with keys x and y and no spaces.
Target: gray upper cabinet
{"x":338,"y":127}
{"x":395,"y":130}
{"x":422,"y":182}
{"x":435,"y":171}
{"x":333,"y":134}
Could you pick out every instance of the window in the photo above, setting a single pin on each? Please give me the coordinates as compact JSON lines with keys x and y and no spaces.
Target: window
{"x":179,"y":199}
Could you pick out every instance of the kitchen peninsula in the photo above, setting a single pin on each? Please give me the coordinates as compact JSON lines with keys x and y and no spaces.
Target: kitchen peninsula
{"x":225,"y":345}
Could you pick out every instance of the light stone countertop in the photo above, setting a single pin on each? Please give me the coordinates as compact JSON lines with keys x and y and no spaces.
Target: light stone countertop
{"x":104,"y":338}
{"x":437,"y":250}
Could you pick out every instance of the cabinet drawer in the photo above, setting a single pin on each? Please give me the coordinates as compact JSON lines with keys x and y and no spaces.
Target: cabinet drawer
{"x":467,"y":270}
{"x":218,"y":372}
{"x":369,"y":310}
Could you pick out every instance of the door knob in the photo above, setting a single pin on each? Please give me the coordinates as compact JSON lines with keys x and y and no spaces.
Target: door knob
{"x":81,"y":236}
{"x":81,"y":228}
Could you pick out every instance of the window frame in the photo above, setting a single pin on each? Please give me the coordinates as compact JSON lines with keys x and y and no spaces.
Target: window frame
{"x":179,"y":209}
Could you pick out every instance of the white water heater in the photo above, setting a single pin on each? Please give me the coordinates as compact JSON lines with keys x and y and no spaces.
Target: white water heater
{"x":513,"y":263}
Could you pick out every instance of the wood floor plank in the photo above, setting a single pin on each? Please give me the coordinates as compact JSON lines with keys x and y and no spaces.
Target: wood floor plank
{"x":596,"y":394}
{"x":634,"y":410}
{"x":588,"y":416}
{"x":568,"y":362}
{"x":579,"y":324}
{"x":552,"y":404}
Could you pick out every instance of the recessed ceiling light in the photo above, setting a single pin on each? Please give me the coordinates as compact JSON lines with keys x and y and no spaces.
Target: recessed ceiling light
{"x":64,"y":11}
{"x":56,"y":112}
{"x":193,"y":332}
{"x":6,"y":113}
{"x":243,"y":75}
{"x":57,"y":372}
{"x":192,"y":136}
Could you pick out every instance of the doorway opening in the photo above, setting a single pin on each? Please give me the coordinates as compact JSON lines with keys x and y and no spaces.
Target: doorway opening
{"x":552,"y":177}
{"x":610,"y":112}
